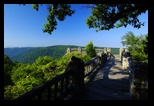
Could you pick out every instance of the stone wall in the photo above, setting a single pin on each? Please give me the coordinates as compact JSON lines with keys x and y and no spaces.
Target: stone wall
{"x":139,"y":82}
{"x":138,"y":78}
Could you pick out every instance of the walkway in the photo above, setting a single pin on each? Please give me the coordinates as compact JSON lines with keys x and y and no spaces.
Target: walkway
{"x":108,"y":83}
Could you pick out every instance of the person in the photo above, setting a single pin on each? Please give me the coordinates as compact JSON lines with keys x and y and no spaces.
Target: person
{"x":126,"y":53}
{"x":77,"y":71}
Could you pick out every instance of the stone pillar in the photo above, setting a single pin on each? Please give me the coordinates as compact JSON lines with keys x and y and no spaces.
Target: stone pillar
{"x":77,"y":71}
{"x":79,"y":50}
{"x":124,"y":63}
{"x":105,"y":50}
{"x":109,"y":50}
{"x":99,"y":54}
{"x":68,"y":50}
{"x":121,"y":50}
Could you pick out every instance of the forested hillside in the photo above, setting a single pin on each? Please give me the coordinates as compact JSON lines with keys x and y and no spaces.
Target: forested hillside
{"x":30,"y":54}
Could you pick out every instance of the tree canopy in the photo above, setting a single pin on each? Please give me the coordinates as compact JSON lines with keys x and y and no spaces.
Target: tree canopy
{"x":108,"y":16}
{"x":90,"y":49}
{"x":8,"y":65}
{"x":55,"y":11}
{"x":137,"y":46}
{"x":103,"y":16}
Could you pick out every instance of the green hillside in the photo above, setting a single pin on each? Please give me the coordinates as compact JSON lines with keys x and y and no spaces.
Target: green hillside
{"x":30,"y":54}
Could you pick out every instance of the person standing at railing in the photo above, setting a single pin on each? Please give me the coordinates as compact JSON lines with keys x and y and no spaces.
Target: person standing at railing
{"x":77,"y":71}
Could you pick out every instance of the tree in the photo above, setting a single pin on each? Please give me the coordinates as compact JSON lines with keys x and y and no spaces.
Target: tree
{"x":145,"y":42}
{"x":107,"y":16}
{"x":90,"y":50}
{"x":43,"y":60}
{"x":55,"y":11}
{"x":136,"y":45}
{"x":8,"y":65}
{"x":103,"y":17}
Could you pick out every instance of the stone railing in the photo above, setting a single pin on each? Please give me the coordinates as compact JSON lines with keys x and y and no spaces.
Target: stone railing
{"x":139,"y":81}
{"x":138,"y":78}
{"x":99,"y":51}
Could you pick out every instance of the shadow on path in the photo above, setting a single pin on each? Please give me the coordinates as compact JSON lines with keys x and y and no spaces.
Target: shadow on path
{"x":108,"y":83}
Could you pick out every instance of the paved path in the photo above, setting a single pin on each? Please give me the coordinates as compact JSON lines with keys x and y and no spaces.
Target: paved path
{"x":108,"y":83}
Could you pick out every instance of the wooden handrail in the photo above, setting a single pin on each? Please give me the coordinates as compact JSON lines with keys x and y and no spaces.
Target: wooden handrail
{"x":91,"y":65}
{"x":47,"y":86}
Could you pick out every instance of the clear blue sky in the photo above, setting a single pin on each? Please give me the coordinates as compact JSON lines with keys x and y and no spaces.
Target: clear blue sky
{"x":23,"y":28}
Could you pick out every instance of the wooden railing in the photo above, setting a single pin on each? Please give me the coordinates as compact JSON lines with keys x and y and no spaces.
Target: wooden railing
{"x":95,"y":62}
{"x":51,"y":89}
{"x":91,"y":65}
{"x":60,"y":86}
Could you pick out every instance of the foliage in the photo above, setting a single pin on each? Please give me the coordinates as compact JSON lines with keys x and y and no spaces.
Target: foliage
{"x":43,"y":60}
{"x":55,"y":12}
{"x":8,"y":65}
{"x":24,"y":70}
{"x":83,"y":57}
{"x":103,"y":16}
{"x":66,"y":58}
{"x":145,"y":43}
{"x":90,"y":49}
{"x":136,"y":46}
{"x":28,"y":76}
{"x":107,"y":16}
{"x":20,"y":87}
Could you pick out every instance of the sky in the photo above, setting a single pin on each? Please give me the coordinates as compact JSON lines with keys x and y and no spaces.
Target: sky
{"x":23,"y":28}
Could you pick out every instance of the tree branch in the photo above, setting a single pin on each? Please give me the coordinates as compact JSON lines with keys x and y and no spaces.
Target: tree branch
{"x":125,"y":12}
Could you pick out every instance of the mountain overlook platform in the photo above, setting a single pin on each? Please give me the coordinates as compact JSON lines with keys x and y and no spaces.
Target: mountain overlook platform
{"x":109,"y":82}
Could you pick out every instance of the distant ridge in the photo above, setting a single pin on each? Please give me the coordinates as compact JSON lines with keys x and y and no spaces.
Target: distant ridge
{"x":30,"y":54}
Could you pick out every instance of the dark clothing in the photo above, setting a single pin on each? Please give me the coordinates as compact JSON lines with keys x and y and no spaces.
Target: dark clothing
{"x":126,"y":54}
{"x":77,"y":70}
